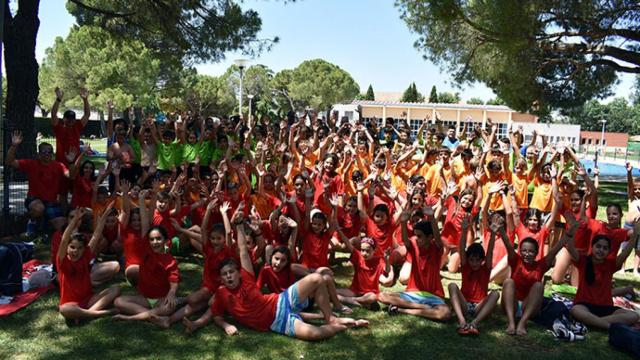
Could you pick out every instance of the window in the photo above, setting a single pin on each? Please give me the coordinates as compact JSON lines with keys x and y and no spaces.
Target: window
{"x":349,"y":114}
{"x":597,"y":141}
{"x":589,"y":141}
{"x":604,"y":142}
{"x":584,"y":141}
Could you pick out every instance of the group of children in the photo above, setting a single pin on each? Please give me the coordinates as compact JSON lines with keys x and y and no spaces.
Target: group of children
{"x":271,"y":204}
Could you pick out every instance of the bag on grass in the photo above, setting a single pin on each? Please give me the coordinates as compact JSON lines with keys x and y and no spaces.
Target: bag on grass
{"x":12,"y":255}
{"x":625,"y":337}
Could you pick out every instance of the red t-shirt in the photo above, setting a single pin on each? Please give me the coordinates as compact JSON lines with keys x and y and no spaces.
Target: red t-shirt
{"x":67,"y":138}
{"x":499,"y":251}
{"x":110,"y":234}
{"x":475,"y":283}
{"x":45,"y":180}
{"x":246,"y":304}
{"x":524,"y":276}
{"x":452,"y":228}
{"x":383,"y":235}
{"x":75,"y":279}
{"x":315,"y":249}
{"x":350,"y":224}
{"x":582,"y":238}
{"x":276,"y":282}
{"x":366,"y":273}
{"x":599,"y":292}
{"x":212,"y":260}
{"x":82,"y":192}
{"x":134,"y":245}
{"x":157,"y":271}
{"x":617,"y":236}
{"x":425,"y":269}
{"x":164,"y":219}
{"x":541,"y":236}
{"x":336,"y":186}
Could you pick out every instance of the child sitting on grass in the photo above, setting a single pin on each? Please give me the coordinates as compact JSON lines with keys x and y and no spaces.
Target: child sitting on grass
{"x":472,"y":299}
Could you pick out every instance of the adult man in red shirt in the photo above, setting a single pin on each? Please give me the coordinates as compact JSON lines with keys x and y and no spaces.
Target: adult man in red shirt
{"x":45,"y":177}
{"x":68,"y":130}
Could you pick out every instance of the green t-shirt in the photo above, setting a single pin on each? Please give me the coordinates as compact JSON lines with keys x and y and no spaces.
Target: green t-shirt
{"x":205,"y":151}
{"x":137,"y":150}
{"x":168,"y":155}
{"x":189,"y":152}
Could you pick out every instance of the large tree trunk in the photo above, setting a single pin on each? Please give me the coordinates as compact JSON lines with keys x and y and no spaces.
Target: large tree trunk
{"x":19,"y":40}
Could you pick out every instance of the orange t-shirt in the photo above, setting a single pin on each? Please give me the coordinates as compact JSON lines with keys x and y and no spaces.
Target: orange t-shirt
{"x":542,"y":195}
{"x":434,"y":180}
{"x":521,"y":187}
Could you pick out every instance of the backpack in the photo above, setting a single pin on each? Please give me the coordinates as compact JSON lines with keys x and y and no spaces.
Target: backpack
{"x":625,"y":337}
{"x":12,"y":255}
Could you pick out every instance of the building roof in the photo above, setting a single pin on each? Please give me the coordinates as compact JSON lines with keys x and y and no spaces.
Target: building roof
{"x":387,"y":96}
{"x":438,"y":105}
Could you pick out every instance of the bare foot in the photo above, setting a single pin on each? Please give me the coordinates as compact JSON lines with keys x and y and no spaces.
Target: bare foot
{"x":362,"y":323}
{"x":161,"y":321}
{"x":521,"y":331}
{"x":511,"y":330}
{"x":189,"y":326}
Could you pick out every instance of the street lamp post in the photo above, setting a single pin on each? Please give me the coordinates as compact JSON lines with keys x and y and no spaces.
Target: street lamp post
{"x":241,"y":63}
{"x":250,"y":96}
{"x":604,"y":124}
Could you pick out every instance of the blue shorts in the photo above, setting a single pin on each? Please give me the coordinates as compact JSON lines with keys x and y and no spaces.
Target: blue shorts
{"x":51,"y":209}
{"x":422,"y":297}
{"x":471,"y":308}
{"x":287,"y":310}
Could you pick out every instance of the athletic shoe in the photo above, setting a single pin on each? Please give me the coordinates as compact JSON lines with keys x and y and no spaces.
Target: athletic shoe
{"x":392,"y":310}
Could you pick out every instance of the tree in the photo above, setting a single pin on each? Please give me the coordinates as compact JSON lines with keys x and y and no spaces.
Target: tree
{"x":280,"y":87}
{"x":475,"y":101}
{"x":620,"y":116}
{"x":433,"y":96}
{"x":370,"y":95}
{"x":86,"y":59}
{"x":495,"y":101}
{"x":412,"y":94}
{"x":180,"y":33}
{"x":449,"y":98}
{"x":320,"y":84}
{"x":635,"y":95}
{"x":257,"y":82}
{"x":210,"y":96}
{"x":542,"y":56}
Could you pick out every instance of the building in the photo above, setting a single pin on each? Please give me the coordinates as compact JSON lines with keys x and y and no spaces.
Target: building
{"x":611,"y":142}
{"x":450,"y":114}
{"x":554,"y":132}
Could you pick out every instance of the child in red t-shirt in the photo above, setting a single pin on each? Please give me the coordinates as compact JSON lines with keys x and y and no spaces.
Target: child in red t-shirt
{"x":369,"y":271}
{"x":240,"y":297}
{"x":452,"y":225}
{"x":522,"y":293}
{"x":158,"y":280}
{"x":77,"y":300}
{"x":278,"y":273}
{"x":134,"y":224}
{"x":424,"y":293}
{"x":472,"y":299}
{"x":593,"y":303}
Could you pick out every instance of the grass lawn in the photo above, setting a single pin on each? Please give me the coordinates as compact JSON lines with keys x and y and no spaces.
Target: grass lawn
{"x":40,"y":332}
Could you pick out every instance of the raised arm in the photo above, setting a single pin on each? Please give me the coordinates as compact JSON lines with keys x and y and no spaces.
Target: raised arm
{"x":622,"y":257}
{"x":145,"y":224}
{"x":97,"y":232}
{"x":437,"y":240}
{"x":462,"y":246}
{"x":245,"y":258}
{"x":56,"y":107}
{"x":66,"y":235}
{"x":16,"y":140}
{"x":561,"y":243}
{"x":84,"y":95}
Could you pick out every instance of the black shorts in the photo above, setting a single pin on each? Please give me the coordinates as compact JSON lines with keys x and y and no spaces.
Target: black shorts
{"x":600,"y":310}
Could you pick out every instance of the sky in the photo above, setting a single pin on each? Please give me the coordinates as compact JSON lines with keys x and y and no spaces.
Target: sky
{"x":366,"y":38}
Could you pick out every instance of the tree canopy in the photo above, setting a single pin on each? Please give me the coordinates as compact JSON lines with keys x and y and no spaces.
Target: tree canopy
{"x":433,"y":96}
{"x":412,"y":94}
{"x":112,"y":69}
{"x":475,"y":101}
{"x":621,"y":116}
{"x":370,"y":95}
{"x":320,"y":84}
{"x":537,"y":57}
{"x":448,"y":97}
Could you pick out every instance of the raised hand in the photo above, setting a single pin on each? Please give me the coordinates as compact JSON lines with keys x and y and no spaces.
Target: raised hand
{"x":497,"y":187}
{"x":497,"y":224}
{"x":629,"y":167}
{"x":334,"y":201}
{"x":428,"y":211}
{"x":58,"y":93}
{"x":125,"y":186}
{"x":16,"y":138}
{"x":84,"y":94}
{"x":71,"y":155}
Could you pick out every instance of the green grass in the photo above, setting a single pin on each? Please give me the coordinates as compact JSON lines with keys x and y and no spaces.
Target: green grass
{"x":39,"y":332}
